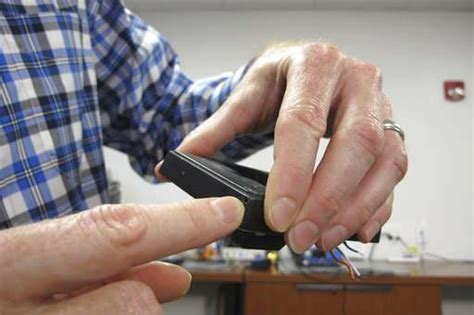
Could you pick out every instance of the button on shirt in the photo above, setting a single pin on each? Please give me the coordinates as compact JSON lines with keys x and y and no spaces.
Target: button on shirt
{"x":79,"y":74}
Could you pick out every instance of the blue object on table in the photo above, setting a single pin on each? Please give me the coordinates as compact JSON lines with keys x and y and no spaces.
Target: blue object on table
{"x":316,"y":257}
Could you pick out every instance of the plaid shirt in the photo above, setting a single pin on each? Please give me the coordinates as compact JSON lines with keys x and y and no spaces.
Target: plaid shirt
{"x":79,"y":74}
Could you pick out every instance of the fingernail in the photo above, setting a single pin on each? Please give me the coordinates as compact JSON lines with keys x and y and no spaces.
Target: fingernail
{"x":230,"y":209}
{"x":158,"y":174}
{"x":157,"y":168}
{"x":302,"y":236}
{"x":372,"y":229}
{"x":186,"y":289}
{"x":281,"y":213}
{"x":335,"y":236}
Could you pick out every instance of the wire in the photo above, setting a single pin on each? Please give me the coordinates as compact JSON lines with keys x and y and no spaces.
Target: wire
{"x":310,"y":273}
{"x":342,"y":262}
{"x":353,"y":271}
{"x":334,"y":256}
{"x":398,"y":238}
{"x":352,"y":249}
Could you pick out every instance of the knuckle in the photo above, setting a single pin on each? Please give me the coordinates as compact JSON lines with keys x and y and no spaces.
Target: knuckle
{"x":369,"y":134}
{"x":197,"y":222}
{"x":386,"y":214}
{"x":312,"y":49}
{"x":308,"y":115}
{"x":330,"y":202}
{"x":400,"y":162}
{"x":119,"y":225}
{"x":364,"y":213}
{"x":373,"y":73}
{"x":238,"y":125}
{"x":387,"y":107}
{"x":370,"y":70}
{"x":299,"y":175}
{"x":315,"y":55}
{"x":332,"y":53}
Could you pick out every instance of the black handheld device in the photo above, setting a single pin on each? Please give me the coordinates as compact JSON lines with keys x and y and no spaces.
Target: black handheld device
{"x":203,"y":177}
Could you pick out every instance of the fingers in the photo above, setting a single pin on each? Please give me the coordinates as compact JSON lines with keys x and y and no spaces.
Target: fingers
{"x":378,"y":219}
{"x":252,"y":107}
{"x":168,"y":282}
{"x":242,"y":113}
{"x":66,"y":254}
{"x":249,"y":108}
{"x":373,"y":191}
{"x":124,"y":297}
{"x":356,"y":143}
{"x":300,"y":126}
{"x":212,"y":134}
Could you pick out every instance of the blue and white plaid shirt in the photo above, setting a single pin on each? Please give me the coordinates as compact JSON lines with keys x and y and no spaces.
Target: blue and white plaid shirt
{"x":79,"y":74}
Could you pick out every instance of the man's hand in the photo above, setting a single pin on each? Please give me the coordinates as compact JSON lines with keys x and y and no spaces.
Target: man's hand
{"x":307,"y":91}
{"x":98,"y":261}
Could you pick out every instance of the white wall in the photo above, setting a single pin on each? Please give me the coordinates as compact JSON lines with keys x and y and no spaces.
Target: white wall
{"x":472,"y":121}
{"x":416,"y":52}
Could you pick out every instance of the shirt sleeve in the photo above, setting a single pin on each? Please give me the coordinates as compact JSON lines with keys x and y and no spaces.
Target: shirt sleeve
{"x":147,"y":104}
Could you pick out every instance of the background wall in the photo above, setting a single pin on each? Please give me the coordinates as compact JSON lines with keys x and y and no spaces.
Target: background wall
{"x":416,"y":51}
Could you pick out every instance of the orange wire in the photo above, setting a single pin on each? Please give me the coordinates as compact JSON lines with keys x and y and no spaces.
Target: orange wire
{"x":348,"y":267}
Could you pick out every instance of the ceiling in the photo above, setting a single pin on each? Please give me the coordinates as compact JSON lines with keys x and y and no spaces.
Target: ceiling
{"x":451,"y":5}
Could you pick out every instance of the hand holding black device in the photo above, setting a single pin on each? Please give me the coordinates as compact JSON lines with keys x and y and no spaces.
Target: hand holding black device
{"x":203,"y":177}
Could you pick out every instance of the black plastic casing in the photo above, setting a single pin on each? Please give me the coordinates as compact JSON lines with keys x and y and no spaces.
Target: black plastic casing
{"x":203,"y":177}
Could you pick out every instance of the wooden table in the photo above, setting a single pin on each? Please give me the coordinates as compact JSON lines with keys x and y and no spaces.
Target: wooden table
{"x":389,"y":289}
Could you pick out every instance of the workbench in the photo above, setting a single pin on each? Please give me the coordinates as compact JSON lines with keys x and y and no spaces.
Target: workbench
{"x":385,"y":288}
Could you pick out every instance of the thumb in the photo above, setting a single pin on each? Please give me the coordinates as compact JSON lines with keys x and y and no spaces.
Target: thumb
{"x":208,"y":138}
{"x":227,"y":123}
{"x":67,"y":254}
{"x":243,"y":112}
{"x":214,"y":133}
